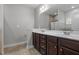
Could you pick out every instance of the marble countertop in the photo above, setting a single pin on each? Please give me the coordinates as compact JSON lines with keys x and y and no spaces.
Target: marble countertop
{"x":74,"y":35}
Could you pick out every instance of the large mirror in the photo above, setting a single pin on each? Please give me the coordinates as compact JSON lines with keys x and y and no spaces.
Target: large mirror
{"x":61,"y":17}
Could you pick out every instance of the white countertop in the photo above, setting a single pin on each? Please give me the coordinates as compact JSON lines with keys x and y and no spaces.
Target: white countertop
{"x":73,"y":35}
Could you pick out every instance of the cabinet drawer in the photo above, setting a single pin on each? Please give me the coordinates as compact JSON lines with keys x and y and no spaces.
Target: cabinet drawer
{"x":43,"y":40}
{"x":52,"y":51}
{"x":51,"y":39}
{"x":42,"y":36}
{"x":37,"y":36}
{"x":71,"y":44}
{"x":51,"y":44}
{"x":43,"y":51}
{"x":43,"y":45}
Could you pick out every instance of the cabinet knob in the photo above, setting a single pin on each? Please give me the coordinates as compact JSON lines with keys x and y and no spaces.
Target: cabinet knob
{"x":61,"y":49}
{"x":43,"y":46}
{"x":43,"y":36}
{"x":43,"y":52}
{"x":42,"y":41}
{"x":55,"y":46}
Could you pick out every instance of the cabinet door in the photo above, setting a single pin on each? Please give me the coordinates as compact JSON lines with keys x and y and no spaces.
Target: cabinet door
{"x":67,"y":51}
{"x":51,"y":48}
{"x":51,"y":45}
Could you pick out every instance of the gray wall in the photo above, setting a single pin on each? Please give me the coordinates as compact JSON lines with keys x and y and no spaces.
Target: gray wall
{"x":43,"y":21}
{"x":19,"y":20}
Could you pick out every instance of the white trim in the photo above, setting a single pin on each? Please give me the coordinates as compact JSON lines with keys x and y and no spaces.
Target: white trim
{"x":30,"y":46}
{"x":12,"y":45}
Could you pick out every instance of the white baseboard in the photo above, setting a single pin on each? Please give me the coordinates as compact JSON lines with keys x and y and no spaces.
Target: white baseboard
{"x":30,"y":46}
{"x":12,"y":45}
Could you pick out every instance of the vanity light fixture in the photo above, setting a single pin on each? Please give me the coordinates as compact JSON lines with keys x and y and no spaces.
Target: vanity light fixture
{"x":73,"y":7}
{"x":43,"y":8}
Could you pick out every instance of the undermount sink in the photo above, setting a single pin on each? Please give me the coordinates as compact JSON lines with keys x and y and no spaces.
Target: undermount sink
{"x":56,"y":32}
{"x":42,"y":30}
{"x":67,"y":32}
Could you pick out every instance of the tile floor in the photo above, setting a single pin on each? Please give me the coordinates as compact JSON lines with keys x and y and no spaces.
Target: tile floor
{"x":24,"y":51}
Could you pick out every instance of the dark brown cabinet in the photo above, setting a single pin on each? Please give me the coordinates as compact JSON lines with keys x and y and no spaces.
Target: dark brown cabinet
{"x":51,"y":45}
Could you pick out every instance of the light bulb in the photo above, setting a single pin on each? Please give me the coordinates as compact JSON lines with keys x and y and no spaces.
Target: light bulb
{"x":73,"y":7}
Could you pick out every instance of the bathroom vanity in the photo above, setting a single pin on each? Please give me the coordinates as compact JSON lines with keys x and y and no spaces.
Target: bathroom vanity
{"x":55,"y":42}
